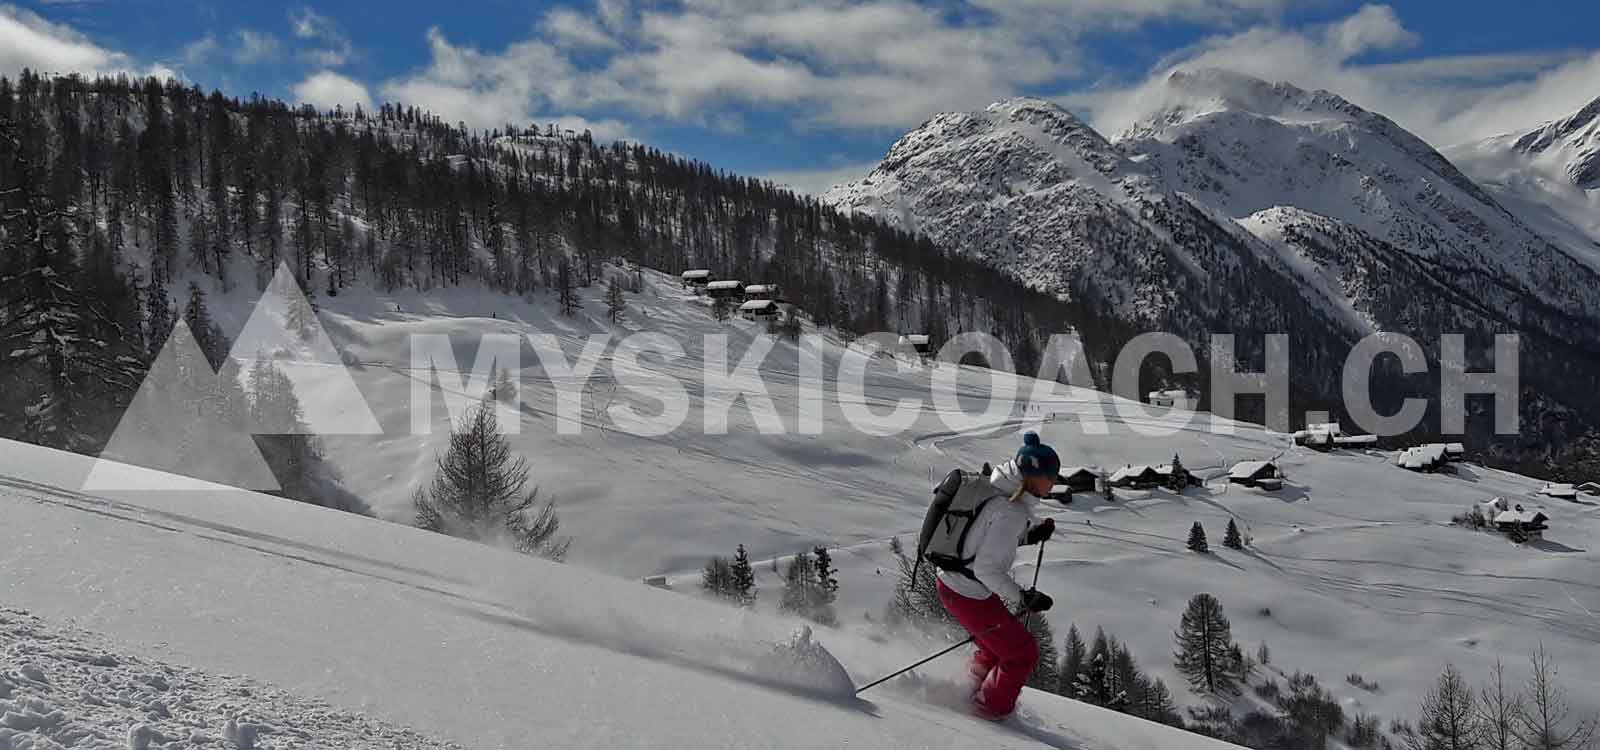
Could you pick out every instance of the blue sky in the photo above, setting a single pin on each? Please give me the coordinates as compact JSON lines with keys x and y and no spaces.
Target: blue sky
{"x":812,"y":92}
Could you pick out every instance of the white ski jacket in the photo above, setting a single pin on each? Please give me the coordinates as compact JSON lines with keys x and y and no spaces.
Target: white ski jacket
{"x":996,"y":533}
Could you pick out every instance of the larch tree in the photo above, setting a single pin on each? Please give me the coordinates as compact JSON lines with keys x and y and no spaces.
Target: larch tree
{"x":1447,"y":719}
{"x":1204,"y":638}
{"x":481,"y":492}
{"x":1546,"y":720}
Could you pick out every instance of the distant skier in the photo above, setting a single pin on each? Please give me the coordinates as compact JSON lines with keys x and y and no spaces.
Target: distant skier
{"x":971,"y":535}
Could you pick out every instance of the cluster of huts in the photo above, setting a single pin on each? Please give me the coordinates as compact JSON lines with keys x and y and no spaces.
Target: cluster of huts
{"x":1431,"y":457}
{"x":762,"y":302}
{"x":1325,"y":436}
{"x":1569,"y":491}
{"x":1513,"y":520}
{"x":756,"y":301}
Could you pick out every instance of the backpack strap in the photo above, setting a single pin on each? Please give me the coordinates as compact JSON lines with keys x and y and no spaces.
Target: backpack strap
{"x":961,"y":542}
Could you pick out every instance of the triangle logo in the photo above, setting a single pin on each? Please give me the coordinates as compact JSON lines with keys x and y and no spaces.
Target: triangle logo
{"x":185,"y":419}
{"x":283,"y":328}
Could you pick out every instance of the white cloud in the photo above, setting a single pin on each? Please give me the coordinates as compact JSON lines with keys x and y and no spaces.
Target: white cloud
{"x":197,"y":51}
{"x":332,"y":49}
{"x":1444,"y":100}
{"x":253,"y":46}
{"x":573,"y":29}
{"x":880,"y":64}
{"x":28,"y":41}
{"x":327,"y":89}
{"x":1373,"y":28}
{"x":817,"y":181}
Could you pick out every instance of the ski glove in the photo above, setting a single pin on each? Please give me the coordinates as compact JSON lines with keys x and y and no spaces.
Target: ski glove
{"x":1035,"y":600}
{"x":1040,"y":532}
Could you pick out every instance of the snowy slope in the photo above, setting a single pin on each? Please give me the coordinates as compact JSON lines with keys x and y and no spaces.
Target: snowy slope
{"x":478,"y":646}
{"x":639,"y":506}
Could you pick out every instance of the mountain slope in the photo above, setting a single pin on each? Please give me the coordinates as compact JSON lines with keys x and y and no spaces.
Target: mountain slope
{"x":1198,"y":219}
{"x":1033,"y":190}
{"x":482,"y":647}
{"x":1244,"y":146}
{"x":1549,"y":176}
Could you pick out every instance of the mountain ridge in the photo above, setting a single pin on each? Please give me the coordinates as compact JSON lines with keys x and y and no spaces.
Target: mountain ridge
{"x":1182,"y":222}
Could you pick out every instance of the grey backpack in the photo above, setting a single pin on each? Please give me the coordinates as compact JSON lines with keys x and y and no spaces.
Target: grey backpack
{"x":957,"y":501}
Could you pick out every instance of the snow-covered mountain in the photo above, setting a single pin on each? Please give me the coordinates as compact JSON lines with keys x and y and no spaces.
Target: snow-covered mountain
{"x":1235,"y":202}
{"x":1034,"y":190}
{"x":1549,"y":176}
{"x":1574,"y":141}
{"x":1244,"y":145}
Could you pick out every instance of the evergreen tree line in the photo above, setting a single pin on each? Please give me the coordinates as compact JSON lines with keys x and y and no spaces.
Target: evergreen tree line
{"x":113,"y":189}
{"x":810,"y":583}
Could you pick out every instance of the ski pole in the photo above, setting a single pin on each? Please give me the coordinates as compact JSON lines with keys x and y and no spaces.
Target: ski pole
{"x":1037,"y":564}
{"x":969,"y":639}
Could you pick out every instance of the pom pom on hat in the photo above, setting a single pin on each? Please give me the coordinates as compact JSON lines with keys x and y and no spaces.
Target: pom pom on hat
{"x":1037,"y":459}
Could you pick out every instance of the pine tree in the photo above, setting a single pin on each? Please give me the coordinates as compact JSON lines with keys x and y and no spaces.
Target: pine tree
{"x":480,"y":492}
{"x":1263,"y":654}
{"x":1072,"y":659}
{"x":1091,"y":685}
{"x":1204,"y":638}
{"x":1045,"y":675}
{"x":197,"y":315}
{"x":1197,"y":539}
{"x":1447,"y":721}
{"x":722,"y":308}
{"x":826,"y":576}
{"x":1243,"y":666}
{"x":717,"y":578}
{"x":1159,"y":705}
{"x":803,"y":593}
{"x":1312,"y":713}
{"x":1231,"y":538}
{"x":616,"y":300}
{"x":567,"y":289}
{"x":744,"y":578}
{"x":1180,"y":476}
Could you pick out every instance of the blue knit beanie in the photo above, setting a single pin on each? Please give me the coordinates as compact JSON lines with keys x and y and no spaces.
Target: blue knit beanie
{"x":1037,"y":459}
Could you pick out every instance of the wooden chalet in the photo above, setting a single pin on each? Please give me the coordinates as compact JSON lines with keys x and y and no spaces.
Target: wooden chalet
{"x":725,"y":289}
{"x":1428,"y":458}
{"x":759,"y":309}
{"x":1522,"y":524}
{"x":1140,"y":477}
{"x":698,"y":277}
{"x":1264,"y":474}
{"x":1074,"y":479}
{"x":1559,"y":490}
{"x":917,"y":342}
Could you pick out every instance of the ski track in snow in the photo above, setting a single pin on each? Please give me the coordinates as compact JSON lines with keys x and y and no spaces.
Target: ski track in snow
{"x":63,"y":687}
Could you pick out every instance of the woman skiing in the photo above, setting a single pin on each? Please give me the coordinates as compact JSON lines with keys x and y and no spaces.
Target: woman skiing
{"x":974,"y":592}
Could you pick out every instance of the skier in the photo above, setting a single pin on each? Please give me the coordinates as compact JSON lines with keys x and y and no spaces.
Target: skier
{"x":972,"y":534}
